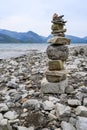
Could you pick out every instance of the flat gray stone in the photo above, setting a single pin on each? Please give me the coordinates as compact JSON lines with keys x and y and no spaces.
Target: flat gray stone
{"x":62,"y":111}
{"x":33,"y":103}
{"x":67,"y":126}
{"x":59,"y":40}
{"x":48,"y":105}
{"x":48,"y":87}
{"x":1,"y":117}
{"x":74,"y":102}
{"x":56,"y":76}
{"x":4,"y":125}
{"x":24,"y":128}
{"x":81,"y":111}
{"x":3,"y":107}
{"x":85,"y":101}
{"x":81,"y":123}
{"x":11,"y":115}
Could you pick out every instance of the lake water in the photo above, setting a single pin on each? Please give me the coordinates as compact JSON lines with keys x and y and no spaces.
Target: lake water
{"x":15,"y":50}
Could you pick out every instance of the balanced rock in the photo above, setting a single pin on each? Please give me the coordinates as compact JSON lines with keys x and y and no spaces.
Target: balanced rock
{"x":55,"y":76}
{"x":55,"y":65}
{"x":59,"y":40}
{"x":57,"y":26}
{"x":59,"y":31}
{"x":56,"y":52}
{"x":49,"y":87}
{"x":59,"y":34}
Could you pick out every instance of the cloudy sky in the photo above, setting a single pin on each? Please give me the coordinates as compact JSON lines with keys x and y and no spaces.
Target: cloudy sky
{"x":36,"y":15}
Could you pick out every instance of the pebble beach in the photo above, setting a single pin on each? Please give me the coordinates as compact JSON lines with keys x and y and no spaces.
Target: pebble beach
{"x":24,"y":107}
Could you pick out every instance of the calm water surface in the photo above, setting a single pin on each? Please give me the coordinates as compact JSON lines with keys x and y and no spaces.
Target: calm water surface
{"x":14,"y":50}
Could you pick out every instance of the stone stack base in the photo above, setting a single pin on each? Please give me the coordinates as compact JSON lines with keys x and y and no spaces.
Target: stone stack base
{"x":53,"y":88}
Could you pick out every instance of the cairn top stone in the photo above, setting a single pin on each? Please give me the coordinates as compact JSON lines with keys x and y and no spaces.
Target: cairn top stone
{"x":58,"y":19}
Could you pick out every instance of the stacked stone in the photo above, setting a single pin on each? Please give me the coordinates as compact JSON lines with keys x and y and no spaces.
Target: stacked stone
{"x":56,"y":75}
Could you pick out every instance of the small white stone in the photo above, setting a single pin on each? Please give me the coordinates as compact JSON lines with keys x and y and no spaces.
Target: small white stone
{"x":24,"y":128}
{"x":1,"y":116}
{"x":81,"y":111}
{"x":74,"y":102}
{"x":53,"y":99}
{"x":11,"y":115}
{"x":67,"y":126}
{"x":3,"y":107}
{"x":48,"y":105}
{"x":85,"y":101}
{"x":62,"y":110}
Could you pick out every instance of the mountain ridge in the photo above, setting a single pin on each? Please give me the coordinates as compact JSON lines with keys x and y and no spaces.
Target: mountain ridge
{"x":32,"y":37}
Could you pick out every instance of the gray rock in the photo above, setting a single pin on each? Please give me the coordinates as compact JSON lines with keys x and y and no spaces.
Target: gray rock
{"x":24,"y":128}
{"x":4,"y":125}
{"x":3,"y":107}
{"x":48,"y":105}
{"x":72,"y":121}
{"x":33,"y":103}
{"x":62,"y":111}
{"x":81,"y":123}
{"x":69,"y":89}
{"x":45,"y":129}
{"x":57,"y":129}
{"x":81,"y":111}
{"x":52,"y":117}
{"x":81,"y":95}
{"x":11,"y":115}
{"x":13,"y":62}
{"x":1,"y":116}
{"x":84,"y":89}
{"x":74,"y":102}
{"x":53,"y":99}
{"x":59,"y":87}
{"x":12,"y":84}
{"x":67,"y":126}
{"x":85,"y":101}
{"x":55,"y":52}
{"x":4,"y":122}
{"x":10,"y":104}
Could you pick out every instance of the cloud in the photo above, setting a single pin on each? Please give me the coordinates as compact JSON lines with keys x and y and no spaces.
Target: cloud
{"x":36,"y":15}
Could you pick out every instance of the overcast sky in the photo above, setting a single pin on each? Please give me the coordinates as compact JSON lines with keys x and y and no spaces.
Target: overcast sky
{"x":36,"y":15}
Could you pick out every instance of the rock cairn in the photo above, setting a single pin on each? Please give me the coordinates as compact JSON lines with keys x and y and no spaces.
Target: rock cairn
{"x":56,"y":75}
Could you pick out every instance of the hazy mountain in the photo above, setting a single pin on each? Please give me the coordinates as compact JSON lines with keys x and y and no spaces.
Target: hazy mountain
{"x":31,"y":37}
{"x":7,"y":39}
{"x":75,"y":39}
{"x":28,"y":37}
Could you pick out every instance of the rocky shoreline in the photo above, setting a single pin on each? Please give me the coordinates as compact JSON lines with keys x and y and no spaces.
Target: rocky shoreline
{"x":24,"y":107}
